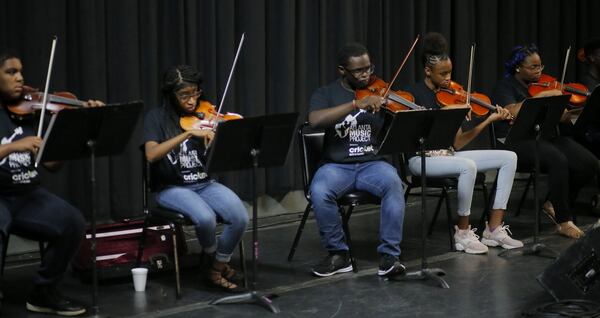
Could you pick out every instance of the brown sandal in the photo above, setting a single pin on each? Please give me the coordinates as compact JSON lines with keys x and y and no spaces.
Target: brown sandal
{"x":228,"y":272}
{"x":569,"y":229}
{"x":217,"y":278}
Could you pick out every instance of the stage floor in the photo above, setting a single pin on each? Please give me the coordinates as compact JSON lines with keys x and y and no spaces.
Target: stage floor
{"x":480,"y":285}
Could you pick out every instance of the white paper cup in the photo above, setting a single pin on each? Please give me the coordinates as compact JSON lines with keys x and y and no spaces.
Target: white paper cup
{"x":139,"y":278}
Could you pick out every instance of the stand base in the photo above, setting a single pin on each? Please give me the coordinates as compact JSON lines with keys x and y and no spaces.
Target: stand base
{"x":537,"y":249}
{"x":250,"y":297}
{"x":426,"y":273}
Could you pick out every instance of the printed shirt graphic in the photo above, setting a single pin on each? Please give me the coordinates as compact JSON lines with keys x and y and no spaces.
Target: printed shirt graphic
{"x":355,"y":137}
{"x":17,"y":171}
{"x":183,"y":165}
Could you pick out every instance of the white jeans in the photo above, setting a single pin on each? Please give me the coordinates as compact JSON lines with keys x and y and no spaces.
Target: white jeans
{"x":465,"y":165}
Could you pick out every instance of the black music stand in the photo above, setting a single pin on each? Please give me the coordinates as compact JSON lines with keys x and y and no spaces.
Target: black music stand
{"x":90,"y":132}
{"x":423,"y":130}
{"x":538,"y":118}
{"x":251,"y":143}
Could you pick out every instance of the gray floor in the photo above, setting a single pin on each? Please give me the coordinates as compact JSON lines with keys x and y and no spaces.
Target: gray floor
{"x":482,"y":285}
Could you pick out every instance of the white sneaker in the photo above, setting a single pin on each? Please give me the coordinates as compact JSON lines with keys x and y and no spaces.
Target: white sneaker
{"x":468,"y":241}
{"x":500,"y":237}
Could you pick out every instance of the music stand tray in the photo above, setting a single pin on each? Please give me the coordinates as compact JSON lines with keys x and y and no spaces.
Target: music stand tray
{"x":252,"y":143}
{"x":538,"y":118}
{"x":90,"y":132}
{"x":423,"y":130}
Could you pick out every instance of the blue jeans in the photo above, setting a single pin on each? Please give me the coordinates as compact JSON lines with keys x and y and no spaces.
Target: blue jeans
{"x":379,"y":178}
{"x":41,"y":215}
{"x":203,"y":203}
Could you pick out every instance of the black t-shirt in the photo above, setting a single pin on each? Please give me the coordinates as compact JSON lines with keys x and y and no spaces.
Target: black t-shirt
{"x":184,"y":165}
{"x":423,"y":95}
{"x":508,"y":91}
{"x":355,"y":137}
{"x":17,"y":170}
{"x":590,"y":81}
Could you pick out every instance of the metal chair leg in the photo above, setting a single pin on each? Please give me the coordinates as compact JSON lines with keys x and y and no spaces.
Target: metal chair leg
{"x":524,"y":196}
{"x":299,"y":232}
{"x":435,"y":216}
{"x":176,"y":258}
{"x":449,"y":216}
{"x":243,"y":262}
{"x":345,"y":220}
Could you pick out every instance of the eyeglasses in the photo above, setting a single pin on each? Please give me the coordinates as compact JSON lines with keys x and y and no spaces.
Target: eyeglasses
{"x":533,"y":67}
{"x":186,"y":96}
{"x":360,"y":71}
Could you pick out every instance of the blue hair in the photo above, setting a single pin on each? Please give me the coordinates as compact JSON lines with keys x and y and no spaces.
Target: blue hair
{"x":517,"y":56}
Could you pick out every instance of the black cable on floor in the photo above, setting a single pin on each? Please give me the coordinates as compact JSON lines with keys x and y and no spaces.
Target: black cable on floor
{"x":566,"y":308}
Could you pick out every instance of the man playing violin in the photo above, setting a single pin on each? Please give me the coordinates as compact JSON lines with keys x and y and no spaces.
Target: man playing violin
{"x":26,"y":208}
{"x":568,"y":164}
{"x":465,"y":164}
{"x":179,"y":175}
{"x":350,"y":163}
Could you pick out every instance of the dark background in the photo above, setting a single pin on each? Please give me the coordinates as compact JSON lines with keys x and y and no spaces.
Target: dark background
{"x":117,"y":50}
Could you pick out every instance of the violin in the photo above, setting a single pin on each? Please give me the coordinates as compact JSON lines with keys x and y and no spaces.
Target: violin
{"x":579,"y":93}
{"x":397,"y":100}
{"x":455,"y":94}
{"x":31,"y":101}
{"x":205,"y":116}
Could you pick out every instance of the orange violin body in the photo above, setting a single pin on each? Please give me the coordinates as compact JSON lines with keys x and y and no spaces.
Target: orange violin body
{"x":32,"y":99}
{"x":205,"y":117}
{"x":455,"y":94}
{"x":397,"y":100}
{"x":579,"y":93}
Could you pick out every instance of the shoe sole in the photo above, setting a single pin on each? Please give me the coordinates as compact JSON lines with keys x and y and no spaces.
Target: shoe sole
{"x":493,"y":243}
{"x":459,"y":247}
{"x":339,"y":271}
{"x":47,"y":310}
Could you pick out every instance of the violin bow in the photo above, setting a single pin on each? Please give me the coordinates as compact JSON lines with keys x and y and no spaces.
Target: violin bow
{"x":237,"y":54}
{"x":564,"y":72}
{"x":401,"y":66}
{"x":45,"y":99}
{"x":471,"y":58}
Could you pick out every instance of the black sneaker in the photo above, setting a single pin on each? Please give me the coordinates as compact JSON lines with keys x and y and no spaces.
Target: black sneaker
{"x":389,"y":265}
{"x":334,"y":263}
{"x":46,"y":299}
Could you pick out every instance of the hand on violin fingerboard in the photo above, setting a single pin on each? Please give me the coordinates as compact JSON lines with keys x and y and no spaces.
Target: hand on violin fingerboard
{"x":500,"y":114}
{"x":371,"y":103}
{"x":552,"y":92}
{"x":93,"y":103}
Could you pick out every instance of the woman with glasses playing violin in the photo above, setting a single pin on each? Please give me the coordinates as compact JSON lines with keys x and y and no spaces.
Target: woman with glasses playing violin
{"x":465,"y":164}
{"x":568,"y":164}
{"x":178,"y":173}
{"x":350,"y":163}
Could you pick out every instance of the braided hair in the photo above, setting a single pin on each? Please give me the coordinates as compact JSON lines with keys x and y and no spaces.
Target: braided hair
{"x":435,"y":49}
{"x":174,"y":79}
{"x":517,"y":56}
